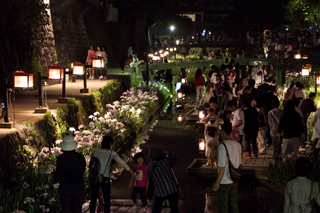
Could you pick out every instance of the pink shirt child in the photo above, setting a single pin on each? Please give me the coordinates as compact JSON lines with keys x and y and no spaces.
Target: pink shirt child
{"x":140,"y":171}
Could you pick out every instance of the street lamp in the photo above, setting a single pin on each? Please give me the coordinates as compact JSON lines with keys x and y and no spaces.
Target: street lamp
{"x":55,"y":72}
{"x":97,"y":63}
{"x":305,"y":57}
{"x":201,"y":112}
{"x":172,"y":28}
{"x":22,"y":79}
{"x":305,"y":71}
{"x":79,"y":69}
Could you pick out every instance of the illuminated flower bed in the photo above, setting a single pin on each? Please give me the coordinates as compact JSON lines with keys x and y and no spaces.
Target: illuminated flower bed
{"x":33,"y":189}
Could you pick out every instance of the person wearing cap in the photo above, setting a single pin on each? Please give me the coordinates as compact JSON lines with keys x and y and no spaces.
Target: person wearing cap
{"x":104,"y":155}
{"x":69,"y":173}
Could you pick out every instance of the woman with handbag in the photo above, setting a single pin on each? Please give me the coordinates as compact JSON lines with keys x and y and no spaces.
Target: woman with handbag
{"x":101,"y":162}
{"x":302,"y":194}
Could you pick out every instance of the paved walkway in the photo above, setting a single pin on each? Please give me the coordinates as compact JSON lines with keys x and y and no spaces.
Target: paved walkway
{"x":27,"y":101}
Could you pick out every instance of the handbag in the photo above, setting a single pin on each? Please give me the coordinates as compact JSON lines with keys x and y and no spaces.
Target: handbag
{"x":235,"y":173}
{"x":94,"y":176}
{"x":150,"y":191}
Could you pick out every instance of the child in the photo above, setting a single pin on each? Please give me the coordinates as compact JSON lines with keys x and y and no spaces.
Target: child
{"x":213,"y":145}
{"x":140,"y":181}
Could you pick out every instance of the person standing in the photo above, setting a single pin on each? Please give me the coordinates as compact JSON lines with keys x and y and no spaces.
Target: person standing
{"x":299,"y":190}
{"x":69,"y":173}
{"x":139,"y":179}
{"x":90,"y":56}
{"x":200,"y":82}
{"x":209,"y":94}
{"x":236,"y":118}
{"x":274,"y":116}
{"x":227,"y":189}
{"x":251,"y":128}
{"x":159,"y":172}
{"x":292,"y":129}
{"x":104,"y":157}
{"x":307,"y":106}
{"x":316,"y":132}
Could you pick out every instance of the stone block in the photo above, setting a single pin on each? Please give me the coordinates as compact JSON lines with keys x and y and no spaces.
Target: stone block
{"x":41,"y":110}
{"x":6,"y":125}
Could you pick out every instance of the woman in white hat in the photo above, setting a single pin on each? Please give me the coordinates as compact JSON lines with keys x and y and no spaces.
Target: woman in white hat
{"x":104,"y":157}
{"x":70,"y":169}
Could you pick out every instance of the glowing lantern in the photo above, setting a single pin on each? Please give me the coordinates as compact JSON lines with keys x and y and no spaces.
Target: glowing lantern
{"x":305,"y":57}
{"x":177,"y":42}
{"x":97,"y":62}
{"x":201,"y":112}
{"x":22,"y":79}
{"x":318,"y":79}
{"x":184,"y":80}
{"x":161,"y":55}
{"x":179,"y":94}
{"x":202,"y":144}
{"x":305,"y":71}
{"x":180,"y":119}
{"x":297,"y":55}
{"x":55,"y":72}
{"x":171,"y":49}
{"x":78,"y":68}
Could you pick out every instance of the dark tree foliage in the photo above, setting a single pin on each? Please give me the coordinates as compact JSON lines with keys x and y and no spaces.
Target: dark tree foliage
{"x":19,"y":20}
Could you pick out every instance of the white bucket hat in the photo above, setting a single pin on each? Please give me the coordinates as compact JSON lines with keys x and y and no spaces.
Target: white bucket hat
{"x":68,"y":143}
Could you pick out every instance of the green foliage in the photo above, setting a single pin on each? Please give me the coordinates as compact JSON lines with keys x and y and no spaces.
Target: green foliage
{"x":27,"y":124}
{"x":97,"y":100}
{"x":304,"y":11}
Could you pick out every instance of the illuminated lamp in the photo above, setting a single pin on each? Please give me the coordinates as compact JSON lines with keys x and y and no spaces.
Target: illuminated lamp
{"x":305,"y":71}
{"x":22,"y":79}
{"x":97,"y":62}
{"x":175,"y":49}
{"x":171,"y":49}
{"x":201,"y":112}
{"x":55,"y":72}
{"x":177,"y":42}
{"x":166,"y":53}
{"x":180,"y":119}
{"x":305,"y":57}
{"x":297,"y":55}
{"x":202,"y":144}
{"x":179,"y":94}
{"x":161,"y":55}
{"x":318,"y":79}
{"x":184,"y":80}
{"x":78,"y":68}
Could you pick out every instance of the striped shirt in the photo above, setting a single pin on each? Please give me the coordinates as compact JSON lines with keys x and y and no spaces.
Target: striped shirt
{"x":163,"y":179}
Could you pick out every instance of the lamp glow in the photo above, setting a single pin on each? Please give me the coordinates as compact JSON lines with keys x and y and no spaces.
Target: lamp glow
{"x":318,"y":79}
{"x":201,"y":114}
{"x":78,"y":68}
{"x":305,"y":71}
{"x":180,"y":119}
{"x":305,"y":57}
{"x":97,"y":62}
{"x":202,"y":145}
{"x":177,"y":42}
{"x":55,"y":72}
{"x":171,"y":49}
{"x":297,"y":55}
{"x":22,"y":79}
{"x":184,"y":80}
{"x":179,"y":94}
{"x":172,"y":28}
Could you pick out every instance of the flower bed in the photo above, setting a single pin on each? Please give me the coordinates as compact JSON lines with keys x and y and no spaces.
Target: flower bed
{"x":33,"y":191}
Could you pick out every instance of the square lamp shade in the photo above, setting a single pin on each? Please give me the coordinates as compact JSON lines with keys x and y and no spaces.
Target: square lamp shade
{"x":305,"y":71}
{"x":78,"y":68}
{"x":22,"y":79}
{"x":184,"y":80}
{"x":180,"y":119}
{"x":297,"y":56}
{"x":98,"y":63}
{"x":318,"y":79}
{"x":305,"y":57}
{"x":202,"y":144}
{"x":55,"y":72}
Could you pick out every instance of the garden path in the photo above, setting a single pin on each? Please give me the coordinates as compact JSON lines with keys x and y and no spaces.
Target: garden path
{"x":27,"y":101}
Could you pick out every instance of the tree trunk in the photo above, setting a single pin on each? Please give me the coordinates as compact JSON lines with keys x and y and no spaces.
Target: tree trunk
{"x":314,"y":36}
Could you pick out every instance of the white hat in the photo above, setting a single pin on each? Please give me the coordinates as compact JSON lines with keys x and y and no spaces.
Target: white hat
{"x":68,"y":143}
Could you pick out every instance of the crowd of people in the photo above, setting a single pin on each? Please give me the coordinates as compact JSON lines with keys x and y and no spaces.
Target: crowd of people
{"x":97,"y":52}
{"x":246,"y":104}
